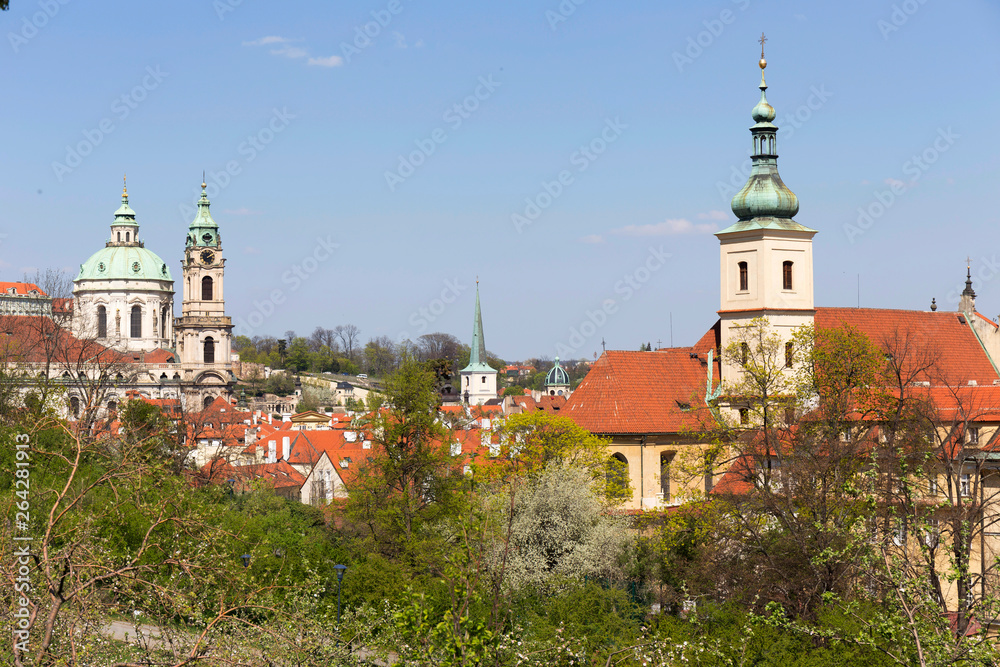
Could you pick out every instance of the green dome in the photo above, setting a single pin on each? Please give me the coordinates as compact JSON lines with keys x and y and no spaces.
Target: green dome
{"x":124,"y":263}
{"x":557,"y":376}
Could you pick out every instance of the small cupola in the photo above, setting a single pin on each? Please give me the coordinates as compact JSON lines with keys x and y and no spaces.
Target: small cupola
{"x":557,"y":380}
{"x":124,"y":229}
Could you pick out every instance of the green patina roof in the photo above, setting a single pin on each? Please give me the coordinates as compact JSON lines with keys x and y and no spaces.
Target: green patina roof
{"x":122,"y":262}
{"x":557,"y":376}
{"x":765,"y":202}
{"x":204,"y":231}
{"x":478,"y":347}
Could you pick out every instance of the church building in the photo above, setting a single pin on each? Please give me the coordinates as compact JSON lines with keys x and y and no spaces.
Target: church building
{"x":647,"y":403}
{"x":123,"y":299}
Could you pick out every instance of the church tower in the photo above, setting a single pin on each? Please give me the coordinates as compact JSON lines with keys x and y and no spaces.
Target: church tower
{"x":203,"y":331}
{"x":766,"y":258}
{"x":479,"y":381}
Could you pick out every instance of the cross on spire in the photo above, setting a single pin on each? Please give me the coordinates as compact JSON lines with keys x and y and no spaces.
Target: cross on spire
{"x":762,"y":41}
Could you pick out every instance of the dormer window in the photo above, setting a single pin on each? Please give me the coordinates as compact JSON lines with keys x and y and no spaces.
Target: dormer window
{"x":786,"y":275}
{"x":744,"y":276}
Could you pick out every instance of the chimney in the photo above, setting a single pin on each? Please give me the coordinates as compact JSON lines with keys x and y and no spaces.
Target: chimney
{"x":285,"y":446}
{"x":272,"y":453}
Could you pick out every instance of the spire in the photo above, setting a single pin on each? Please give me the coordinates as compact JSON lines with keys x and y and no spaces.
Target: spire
{"x":967,"y":300}
{"x":477,"y":352}
{"x":765,"y":201}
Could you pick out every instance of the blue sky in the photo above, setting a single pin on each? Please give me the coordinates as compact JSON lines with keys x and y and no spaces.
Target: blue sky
{"x":309,"y":114}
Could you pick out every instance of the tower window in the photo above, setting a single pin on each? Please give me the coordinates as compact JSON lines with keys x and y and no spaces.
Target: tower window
{"x":484,"y":379}
{"x":744,"y":277}
{"x":102,"y":322}
{"x":744,"y":353}
{"x":789,"y":354}
{"x":206,"y":288}
{"x":119,"y":237}
{"x":209,"y":350}
{"x":126,"y":237}
{"x":786,"y":275}
{"x":163,"y":322}
{"x":136,"y":322}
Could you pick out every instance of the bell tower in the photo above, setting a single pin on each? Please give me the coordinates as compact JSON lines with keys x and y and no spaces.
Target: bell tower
{"x":203,"y":331}
{"x":766,"y":259}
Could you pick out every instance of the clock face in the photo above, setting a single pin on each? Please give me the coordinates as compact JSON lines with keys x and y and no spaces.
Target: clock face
{"x":207,"y":257}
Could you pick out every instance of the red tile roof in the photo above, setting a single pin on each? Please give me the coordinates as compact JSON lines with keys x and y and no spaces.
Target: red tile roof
{"x":944,"y":336}
{"x":641,"y":392}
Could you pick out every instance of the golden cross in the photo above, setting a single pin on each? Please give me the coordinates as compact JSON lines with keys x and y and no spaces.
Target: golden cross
{"x":762,"y":40}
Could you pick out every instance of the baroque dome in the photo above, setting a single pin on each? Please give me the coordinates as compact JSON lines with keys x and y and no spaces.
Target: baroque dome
{"x":124,"y":263}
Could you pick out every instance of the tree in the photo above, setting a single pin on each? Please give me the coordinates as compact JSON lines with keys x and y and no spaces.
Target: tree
{"x":381,"y":356}
{"x":348,"y":335}
{"x":528,"y":443}
{"x":280,"y":384}
{"x":409,"y":479}
{"x":297,"y":358}
{"x":559,"y":529}
{"x":321,"y":338}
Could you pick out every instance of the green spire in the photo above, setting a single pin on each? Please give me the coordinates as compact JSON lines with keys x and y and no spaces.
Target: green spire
{"x":203,"y":230}
{"x":765,"y":201}
{"x":477,"y":355}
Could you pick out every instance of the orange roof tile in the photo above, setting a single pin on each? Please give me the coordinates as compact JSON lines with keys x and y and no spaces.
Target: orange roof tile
{"x":957,"y":353}
{"x":641,"y":392}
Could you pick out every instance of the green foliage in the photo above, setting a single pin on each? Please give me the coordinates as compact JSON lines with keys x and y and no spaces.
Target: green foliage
{"x":280,"y":384}
{"x":529,"y":442}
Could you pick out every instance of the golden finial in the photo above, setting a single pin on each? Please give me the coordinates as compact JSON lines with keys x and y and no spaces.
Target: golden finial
{"x":124,"y":185}
{"x":762,"y":40}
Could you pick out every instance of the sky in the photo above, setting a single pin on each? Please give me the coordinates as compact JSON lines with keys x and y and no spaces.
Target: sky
{"x":367,"y":161}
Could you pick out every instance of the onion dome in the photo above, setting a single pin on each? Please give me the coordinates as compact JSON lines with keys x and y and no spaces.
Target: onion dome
{"x":765,"y":201}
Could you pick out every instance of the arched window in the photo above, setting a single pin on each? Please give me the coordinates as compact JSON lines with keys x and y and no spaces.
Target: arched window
{"x":789,"y":354}
{"x":119,"y":237}
{"x":209,"y":350}
{"x":786,"y":275}
{"x":744,"y":353}
{"x":126,"y":237}
{"x":112,"y":406}
{"x":163,"y":323}
{"x":102,"y":322}
{"x":136,"y":322}
{"x":744,"y":277}
{"x":74,"y":406}
{"x":206,"y":288}
{"x":617,"y":475}
{"x":208,"y":401}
